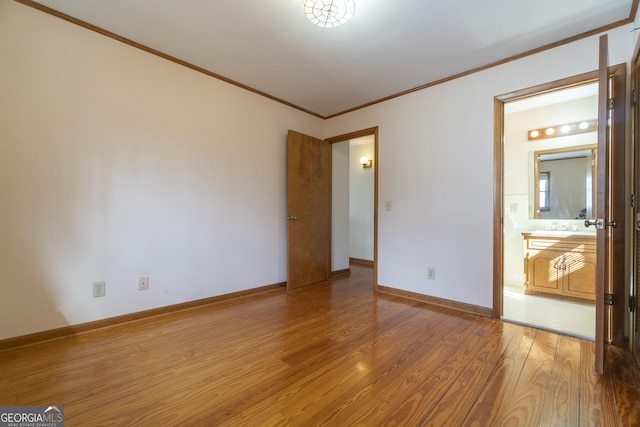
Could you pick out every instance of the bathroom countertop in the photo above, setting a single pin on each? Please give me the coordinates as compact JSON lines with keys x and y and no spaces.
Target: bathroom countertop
{"x":560,"y":233}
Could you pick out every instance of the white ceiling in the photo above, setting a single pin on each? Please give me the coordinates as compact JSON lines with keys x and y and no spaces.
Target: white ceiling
{"x":388,"y":47}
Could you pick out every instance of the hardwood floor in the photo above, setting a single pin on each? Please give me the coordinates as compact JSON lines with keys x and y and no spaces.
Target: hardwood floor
{"x":329,"y":354}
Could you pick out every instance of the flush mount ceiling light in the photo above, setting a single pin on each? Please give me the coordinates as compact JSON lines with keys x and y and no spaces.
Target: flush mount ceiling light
{"x":329,"y":13}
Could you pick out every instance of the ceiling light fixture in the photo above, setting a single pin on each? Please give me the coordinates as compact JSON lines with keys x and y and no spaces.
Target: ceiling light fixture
{"x":329,"y":13}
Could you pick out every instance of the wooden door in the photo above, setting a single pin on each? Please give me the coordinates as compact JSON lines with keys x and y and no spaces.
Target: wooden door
{"x":308,"y":210}
{"x":635,"y":302}
{"x":602,"y":204}
{"x":611,"y":205}
{"x":618,"y":207}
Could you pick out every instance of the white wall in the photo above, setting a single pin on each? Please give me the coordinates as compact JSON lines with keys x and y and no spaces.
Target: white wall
{"x":115,"y":163}
{"x":361,"y":192}
{"x":340,"y":206}
{"x":436,"y":165}
{"x":352,"y":202}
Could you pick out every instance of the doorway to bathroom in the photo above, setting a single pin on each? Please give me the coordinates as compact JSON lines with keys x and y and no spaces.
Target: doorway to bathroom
{"x":550,"y":148}
{"x":550,"y":254}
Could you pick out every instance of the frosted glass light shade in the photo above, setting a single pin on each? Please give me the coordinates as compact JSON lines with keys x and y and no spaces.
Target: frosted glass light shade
{"x":365,"y":162}
{"x":329,"y":13}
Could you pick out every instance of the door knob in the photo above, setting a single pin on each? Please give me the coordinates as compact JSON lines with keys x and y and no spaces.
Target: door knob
{"x":292,"y":218}
{"x":600,"y":223}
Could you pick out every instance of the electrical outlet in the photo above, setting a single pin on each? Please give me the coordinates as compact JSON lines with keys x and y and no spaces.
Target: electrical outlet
{"x":431,"y":273}
{"x":388,"y":205}
{"x":143,"y":283}
{"x":99,"y":289}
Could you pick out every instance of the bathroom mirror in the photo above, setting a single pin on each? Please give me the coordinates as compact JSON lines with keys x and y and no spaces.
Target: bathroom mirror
{"x":562,"y":183}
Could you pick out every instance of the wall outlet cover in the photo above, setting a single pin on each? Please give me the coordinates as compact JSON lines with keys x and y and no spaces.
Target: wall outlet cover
{"x":143,"y":283}
{"x":99,"y":289}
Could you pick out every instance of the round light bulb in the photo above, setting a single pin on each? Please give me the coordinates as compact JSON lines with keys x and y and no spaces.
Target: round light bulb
{"x":565,"y":129}
{"x":583,"y":125}
{"x":534,"y":134}
{"x":550,"y":131}
{"x":364,"y":160}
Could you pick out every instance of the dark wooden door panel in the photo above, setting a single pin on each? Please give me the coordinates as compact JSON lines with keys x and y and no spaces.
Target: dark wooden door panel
{"x":308,"y":210}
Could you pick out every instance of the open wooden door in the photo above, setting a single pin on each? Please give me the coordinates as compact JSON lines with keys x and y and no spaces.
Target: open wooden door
{"x":611,"y":205}
{"x":634,"y":304}
{"x":602,"y":203}
{"x":603,"y":222}
{"x":308,"y":210}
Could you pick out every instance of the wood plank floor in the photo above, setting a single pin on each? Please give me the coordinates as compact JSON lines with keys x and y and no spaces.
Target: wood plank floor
{"x":331,"y":354}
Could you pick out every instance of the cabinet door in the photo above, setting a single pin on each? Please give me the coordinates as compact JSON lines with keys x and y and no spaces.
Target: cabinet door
{"x":544,"y":272}
{"x":579,"y":278}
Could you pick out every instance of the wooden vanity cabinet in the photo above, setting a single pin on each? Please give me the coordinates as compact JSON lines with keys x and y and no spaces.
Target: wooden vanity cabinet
{"x":562,"y":265}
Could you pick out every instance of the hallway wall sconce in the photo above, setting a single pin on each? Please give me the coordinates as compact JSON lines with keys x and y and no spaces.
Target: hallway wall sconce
{"x":563,"y":130}
{"x":365,"y":162}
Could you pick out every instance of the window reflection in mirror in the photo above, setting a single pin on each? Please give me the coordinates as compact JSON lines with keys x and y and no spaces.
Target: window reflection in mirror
{"x":563,"y":183}
{"x":544,"y":194}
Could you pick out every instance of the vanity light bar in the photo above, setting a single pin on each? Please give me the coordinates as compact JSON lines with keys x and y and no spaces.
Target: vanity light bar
{"x":563,"y":130}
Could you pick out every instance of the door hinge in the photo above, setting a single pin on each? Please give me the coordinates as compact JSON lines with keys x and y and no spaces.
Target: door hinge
{"x":611,"y":102}
{"x":608,"y":299}
{"x":633,"y":96}
{"x":632,"y":200}
{"x":632,"y":304}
